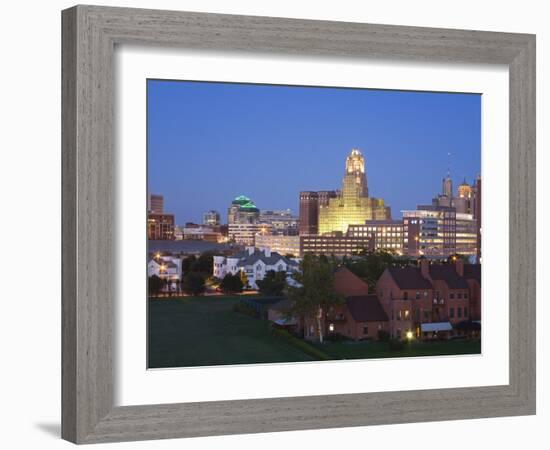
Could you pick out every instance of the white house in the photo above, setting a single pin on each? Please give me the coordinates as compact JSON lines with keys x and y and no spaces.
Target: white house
{"x":255,"y":263}
{"x":166,"y":267}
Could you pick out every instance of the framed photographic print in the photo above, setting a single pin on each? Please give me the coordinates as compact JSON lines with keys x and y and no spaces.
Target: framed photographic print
{"x":279,"y":224}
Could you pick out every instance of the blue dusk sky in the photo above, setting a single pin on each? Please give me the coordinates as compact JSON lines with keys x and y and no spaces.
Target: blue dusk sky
{"x":210,"y":142}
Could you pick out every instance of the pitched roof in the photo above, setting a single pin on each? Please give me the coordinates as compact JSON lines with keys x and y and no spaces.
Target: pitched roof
{"x":348,"y":284}
{"x":473,"y":272}
{"x":448,"y":274}
{"x":246,"y":259}
{"x":271,"y":260}
{"x":409,"y":278}
{"x":366,"y":308}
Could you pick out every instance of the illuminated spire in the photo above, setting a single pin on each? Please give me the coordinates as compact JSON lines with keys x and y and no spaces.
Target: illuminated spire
{"x":355,"y":173}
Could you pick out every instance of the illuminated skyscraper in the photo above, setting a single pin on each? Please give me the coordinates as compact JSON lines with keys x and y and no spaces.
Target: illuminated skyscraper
{"x":352,"y":206}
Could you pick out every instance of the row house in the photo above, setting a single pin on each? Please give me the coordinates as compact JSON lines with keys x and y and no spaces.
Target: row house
{"x":431,"y":299}
{"x":360,"y":316}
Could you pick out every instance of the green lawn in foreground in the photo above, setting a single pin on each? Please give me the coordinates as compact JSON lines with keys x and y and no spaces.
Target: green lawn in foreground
{"x":204,"y":331}
{"x":375,"y":349}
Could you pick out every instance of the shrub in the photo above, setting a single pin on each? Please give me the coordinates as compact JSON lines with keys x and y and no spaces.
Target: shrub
{"x":300,"y":344}
{"x":383,"y":336}
{"x":335,"y":337}
{"x":396,"y":344}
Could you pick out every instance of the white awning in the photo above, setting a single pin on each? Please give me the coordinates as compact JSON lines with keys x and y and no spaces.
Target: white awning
{"x":284,"y":322}
{"x":436,"y":326}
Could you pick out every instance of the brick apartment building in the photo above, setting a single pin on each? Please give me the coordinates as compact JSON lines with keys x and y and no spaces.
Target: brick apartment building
{"x":432,"y":299}
{"x":361,"y":316}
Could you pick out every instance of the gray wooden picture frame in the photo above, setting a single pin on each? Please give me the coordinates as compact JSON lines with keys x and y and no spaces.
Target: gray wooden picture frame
{"x":90,"y":34}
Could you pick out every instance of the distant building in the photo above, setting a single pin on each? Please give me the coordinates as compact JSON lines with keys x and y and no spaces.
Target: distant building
{"x":283,"y":244}
{"x":155,"y":204}
{"x":202,"y":234}
{"x":242,"y":210}
{"x":245,"y":233}
{"x":388,"y":234}
{"x":336,"y":244}
{"x":466,"y":234}
{"x":439,"y":231}
{"x":430,"y":231}
{"x":160,"y":227}
{"x":254,"y":264}
{"x":211,"y":218}
{"x":353,"y":205}
{"x":282,"y":221}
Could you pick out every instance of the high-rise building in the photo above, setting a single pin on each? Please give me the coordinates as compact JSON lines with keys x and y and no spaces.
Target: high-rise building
{"x":353,"y":205}
{"x":211,"y":218}
{"x":160,"y":227}
{"x":310,"y":202}
{"x":242,"y":210}
{"x":155,"y":204}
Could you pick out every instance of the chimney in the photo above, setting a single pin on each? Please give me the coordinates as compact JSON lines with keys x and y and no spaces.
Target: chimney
{"x":250,"y":250}
{"x":267,"y":251}
{"x":424,"y":267}
{"x":460,"y":266}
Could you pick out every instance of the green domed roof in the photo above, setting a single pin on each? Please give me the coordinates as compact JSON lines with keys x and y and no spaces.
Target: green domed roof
{"x":241,"y":200}
{"x":249,"y":206}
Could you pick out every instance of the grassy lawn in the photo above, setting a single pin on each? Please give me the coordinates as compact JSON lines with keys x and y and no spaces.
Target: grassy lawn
{"x":204,"y":331}
{"x":373,"y":349}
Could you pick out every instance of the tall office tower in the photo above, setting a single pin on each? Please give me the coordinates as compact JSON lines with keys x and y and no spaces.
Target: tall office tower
{"x":155,"y":204}
{"x":352,"y":206}
{"x":211,"y":218}
{"x":309,"y":212}
{"x":310,"y":202}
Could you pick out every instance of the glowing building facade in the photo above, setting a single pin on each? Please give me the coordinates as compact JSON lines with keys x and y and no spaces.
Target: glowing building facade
{"x":353,"y":205}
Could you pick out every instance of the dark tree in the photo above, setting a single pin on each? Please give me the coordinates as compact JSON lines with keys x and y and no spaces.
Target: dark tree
{"x":371,"y":265}
{"x":155,"y":285}
{"x":187,"y":263}
{"x":315,"y":294}
{"x":193,"y":283}
{"x":203,"y":263}
{"x":231,"y":284}
{"x":273,"y":283}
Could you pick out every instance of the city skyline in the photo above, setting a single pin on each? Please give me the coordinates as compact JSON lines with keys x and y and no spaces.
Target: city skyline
{"x":218,"y":155}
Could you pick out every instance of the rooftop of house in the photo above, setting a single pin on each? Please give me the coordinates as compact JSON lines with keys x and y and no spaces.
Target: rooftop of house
{"x":248,"y":258}
{"x":473,"y":272}
{"x":448,"y":274}
{"x":166,"y":263}
{"x":346,"y":283}
{"x":409,"y":278}
{"x":366,"y":308}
